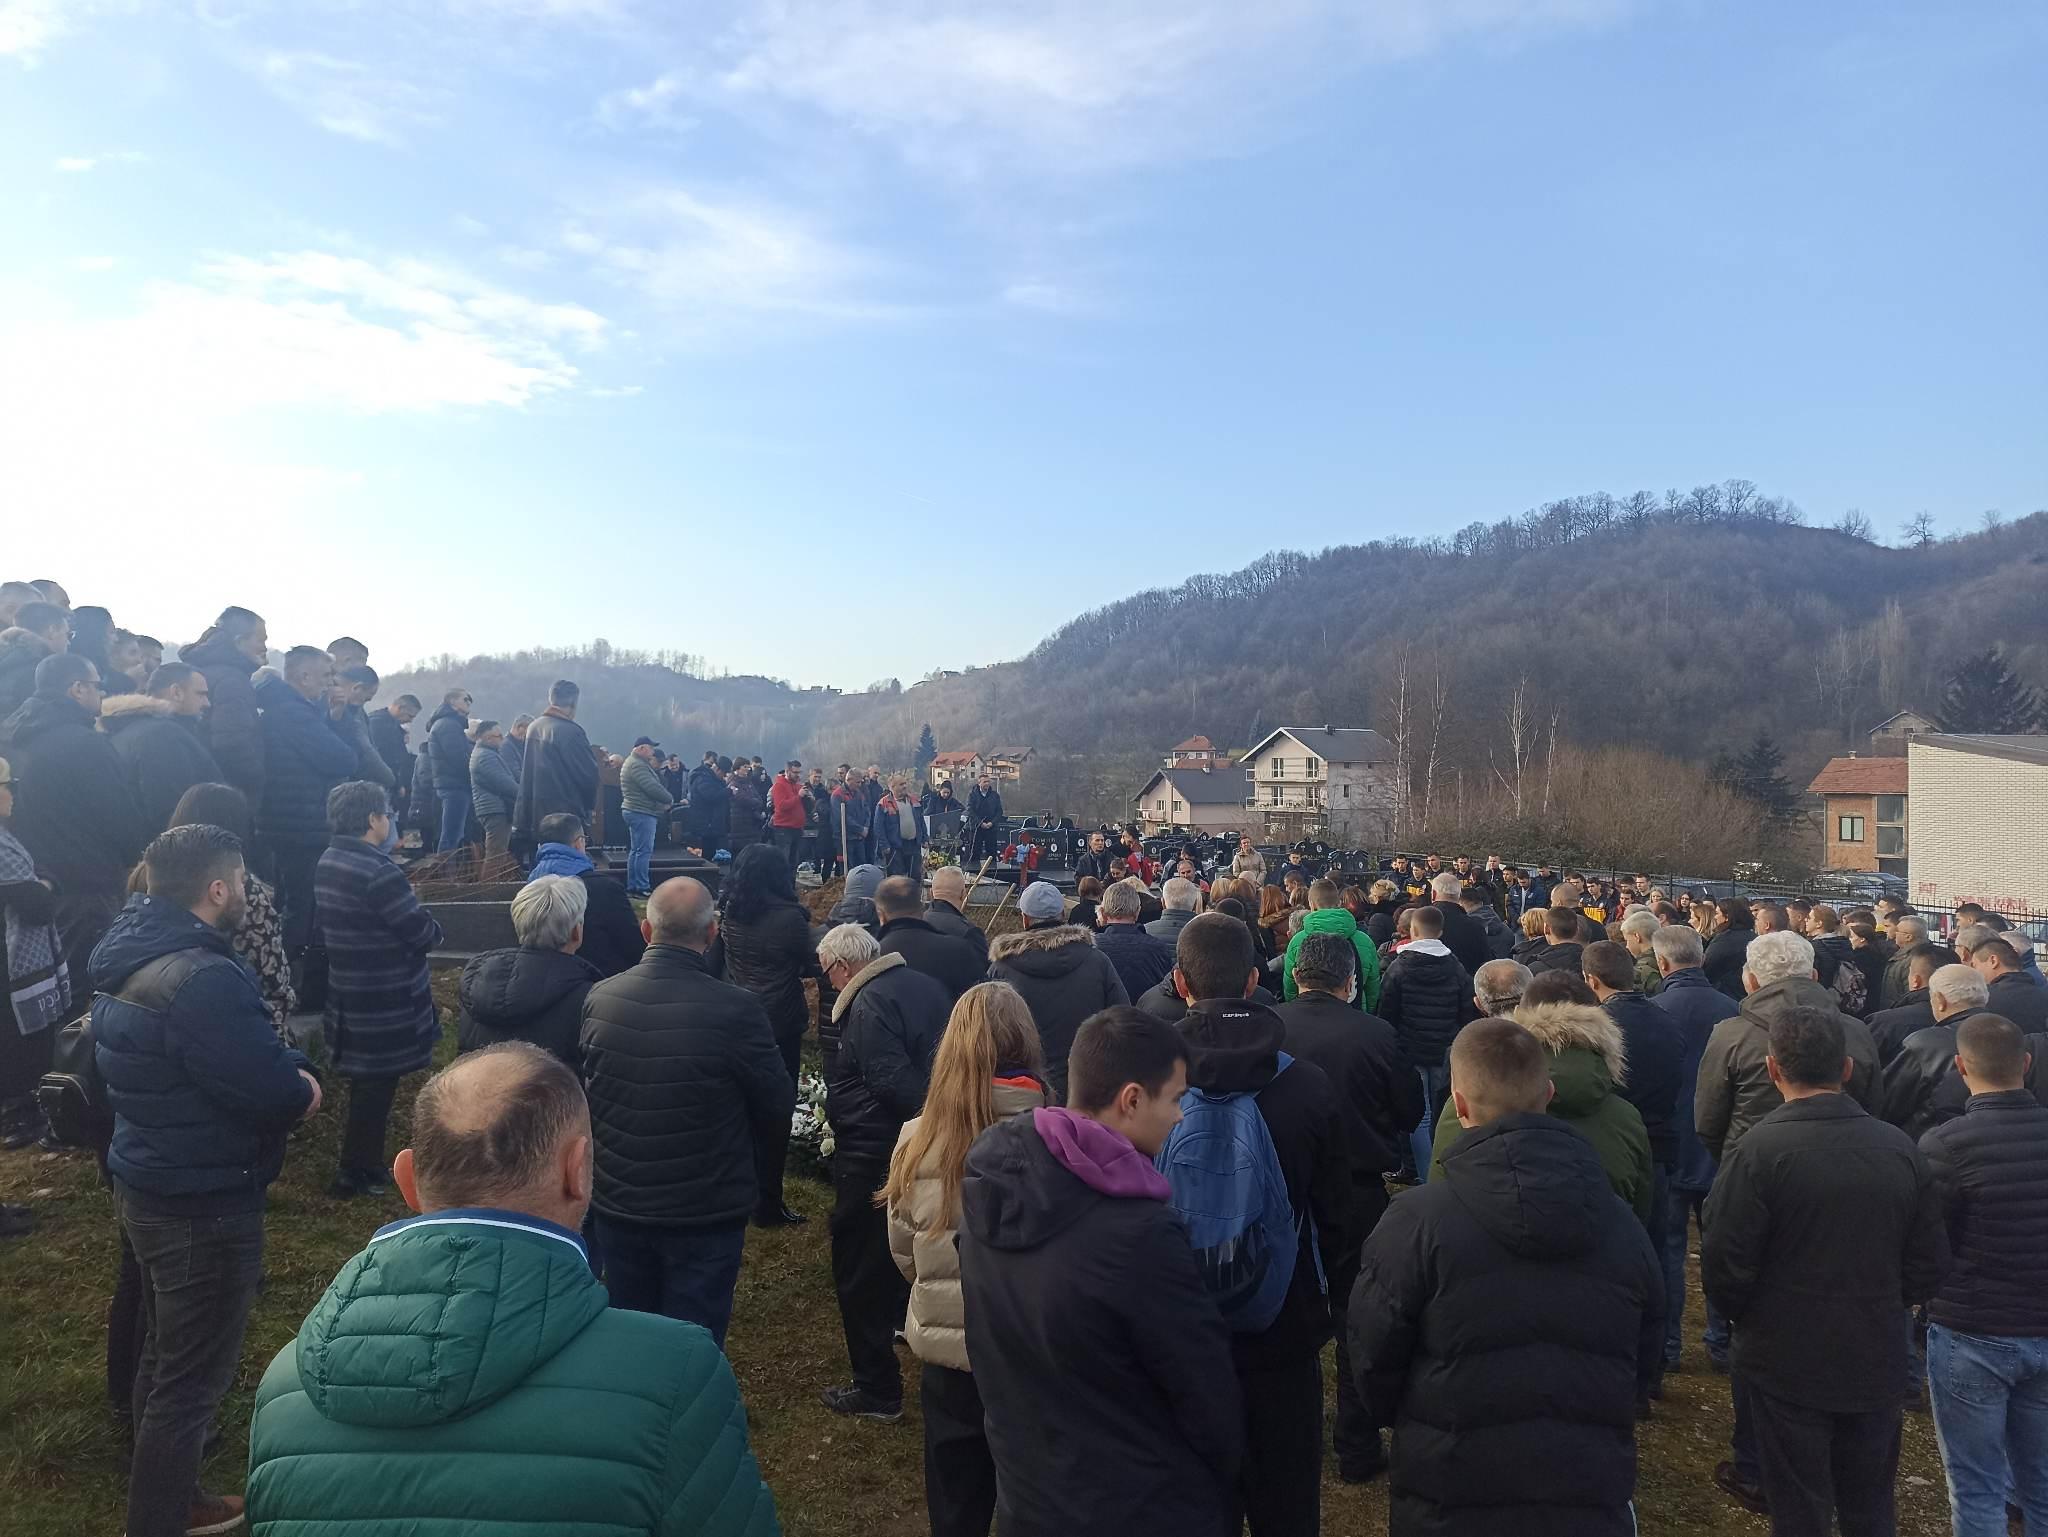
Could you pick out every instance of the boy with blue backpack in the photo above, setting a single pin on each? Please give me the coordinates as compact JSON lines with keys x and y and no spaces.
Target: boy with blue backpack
{"x":1259,"y":1170}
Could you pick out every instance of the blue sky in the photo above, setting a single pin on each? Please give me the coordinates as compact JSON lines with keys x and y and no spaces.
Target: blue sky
{"x":844,"y":339}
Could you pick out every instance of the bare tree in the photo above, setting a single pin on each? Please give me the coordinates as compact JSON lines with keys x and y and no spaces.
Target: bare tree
{"x":1550,"y":757}
{"x":1992,"y":519}
{"x":1437,"y":699}
{"x":1521,"y":744}
{"x":1918,"y":530}
{"x":1855,"y":525}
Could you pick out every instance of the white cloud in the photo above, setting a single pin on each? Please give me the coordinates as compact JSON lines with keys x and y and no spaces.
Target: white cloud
{"x":94,"y":264}
{"x":27,"y":27}
{"x":75,"y":165}
{"x":711,"y":262}
{"x":1058,"y":84}
{"x":1047,"y":298}
{"x":346,"y":97}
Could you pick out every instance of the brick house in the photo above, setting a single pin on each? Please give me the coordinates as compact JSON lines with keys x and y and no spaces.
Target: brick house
{"x":1980,"y":821}
{"x":1866,"y":813}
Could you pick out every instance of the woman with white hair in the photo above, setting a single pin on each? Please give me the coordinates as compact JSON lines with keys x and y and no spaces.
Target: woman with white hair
{"x":533,"y":993}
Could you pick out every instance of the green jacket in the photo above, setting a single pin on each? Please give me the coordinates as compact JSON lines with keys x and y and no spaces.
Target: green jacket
{"x":1649,"y":980}
{"x":641,"y":789}
{"x":1336,"y":920}
{"x":466,"y":1373}
{"x":1586,"y":1062}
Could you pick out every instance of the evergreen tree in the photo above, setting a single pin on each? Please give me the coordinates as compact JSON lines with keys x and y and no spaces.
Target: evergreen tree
{"x":927,"y":748}
{"x":1759,"y":774}
{"x":1984,"y":696}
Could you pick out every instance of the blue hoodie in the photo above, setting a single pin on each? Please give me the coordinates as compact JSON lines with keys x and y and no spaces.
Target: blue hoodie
{"x":202,"y":1089}
{"x":560,"y":859}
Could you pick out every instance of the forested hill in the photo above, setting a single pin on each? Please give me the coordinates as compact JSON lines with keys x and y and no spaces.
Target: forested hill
{"x":1654,"y":627}
{"x":1680,"y":634}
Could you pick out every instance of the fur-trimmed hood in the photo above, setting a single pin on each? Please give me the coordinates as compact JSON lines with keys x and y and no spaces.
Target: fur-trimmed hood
{"x":121,"y":710}
{"x":1564,"y":1027}
{"x":1039,"y":941}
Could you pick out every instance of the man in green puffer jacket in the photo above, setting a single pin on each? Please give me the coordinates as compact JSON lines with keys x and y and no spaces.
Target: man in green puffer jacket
{"x":1327,"y":917}
{"x":465,"y":1372}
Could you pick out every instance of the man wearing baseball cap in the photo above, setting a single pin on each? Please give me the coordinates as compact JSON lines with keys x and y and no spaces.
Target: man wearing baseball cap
{"x":1061,"y":974}
{"x":645,"y":801}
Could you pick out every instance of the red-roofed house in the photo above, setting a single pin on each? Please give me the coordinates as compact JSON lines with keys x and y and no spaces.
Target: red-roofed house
{"x":962,"y":768}
{"x":1195,"y":752}
{"x":1866,"y":813}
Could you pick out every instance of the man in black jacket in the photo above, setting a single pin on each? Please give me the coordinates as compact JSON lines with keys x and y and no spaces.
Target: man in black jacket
{"x":156,"y":735}
{"x":984,"y":821}
{"x":1890,"y":1027}
{"x":1987,"y":1328}
{"x":233,"y":647}
{"x":948,"y":912}
{"x":2012,"y":994}
{"x":1103,"y":1364}
{"x":1426,"y":996}
{"x":1656,"y":1081}
{"x":1462,"y":934}
{"x":689,"y":1100}
{"x":1921,"y":1087}
{"x":1142,"y":960}
{"x":305,"y":755}
{"x":1096,"y":862}
{"x":1507,"y":1317}
{"x":1823,"y":1227}
{"x":387,"y":735}
{"x":950,"y":962}
{"x":1563,"y":950}
{"x":1379,"y":1101}
{"x":558,"y":772}
{"x":73,"y":809}
{"x":709,"y":800}
{"x":1234,"y":1047}
{"x":887,"y":1025}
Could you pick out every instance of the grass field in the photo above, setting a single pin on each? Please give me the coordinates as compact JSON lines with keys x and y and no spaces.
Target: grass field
{"x":61,"y":1464}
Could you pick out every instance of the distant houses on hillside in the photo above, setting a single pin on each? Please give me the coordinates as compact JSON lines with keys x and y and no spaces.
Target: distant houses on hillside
{"x":963,"y":766}
{"x":1333,"y":783}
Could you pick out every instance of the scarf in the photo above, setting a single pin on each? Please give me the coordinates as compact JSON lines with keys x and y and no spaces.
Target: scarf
{"x":37,"y":986}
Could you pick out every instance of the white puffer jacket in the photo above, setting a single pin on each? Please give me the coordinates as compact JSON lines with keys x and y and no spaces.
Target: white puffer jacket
{"x":936,"y":1323}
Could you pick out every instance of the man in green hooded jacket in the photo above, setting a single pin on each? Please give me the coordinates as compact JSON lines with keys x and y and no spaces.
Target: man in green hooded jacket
{"x":466,"y":1373}
{"x":1326,"y":916}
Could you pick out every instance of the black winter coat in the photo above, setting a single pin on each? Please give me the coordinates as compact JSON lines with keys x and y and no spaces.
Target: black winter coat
{"x":448,"y":746}
{"x":1506,"y":1317}
{"x":984,"y":806}
{"x":1824,"y":1224}
{"x":1379,"y":1098}
{"x":234,"y":727}
{"x":689,"y":1099}
{"x":1464,"y":937}
{"x":1064,"y":979}
{"x":305,"y":756}
{"x":558,"y":773}
{"x":527,"y":995}
{"x":950,"y":962}
{"x":1656,"y":1070}
{"x":1569,"y":955}
{"x":708,"y":797}
{"x":2020,"y":1001}
{"x":1922,"y":1087}
{"x":1990,"y":1166}
{"x":1890,"y":1027}
{"x":1141,"y":960}
{"x":770,"y":954}
{"x":161,"y":754}
{"x":612,"y":941}
{"x":948,"y":919}
{"x":1234,"y":1047}
{"x":73,"y":810}
{"x":889,"y":1021}
{"x":1427,"y":997}
{"x":1161,"y":1001}
{"x":1726,"y":952}
{"x":387,"y":735}
{"x":1872,"y":960}
{"x":1103,"y":1364}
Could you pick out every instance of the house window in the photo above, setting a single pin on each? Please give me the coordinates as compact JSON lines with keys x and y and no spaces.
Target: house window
{"x":1347,"y":792}
{"x":1160,"y":806}
{"x":1848,"y":829}
{"x":1891,"y":826}
{"x":1176,"y":808}
{"x":1279,"y":768}
{"x":1312,"y":766}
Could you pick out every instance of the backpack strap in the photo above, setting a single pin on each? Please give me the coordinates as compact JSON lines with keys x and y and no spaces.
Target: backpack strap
{"x":155,"y":985}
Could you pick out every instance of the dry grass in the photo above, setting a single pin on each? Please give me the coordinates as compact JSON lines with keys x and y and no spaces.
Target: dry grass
{"x":61,"y":1467}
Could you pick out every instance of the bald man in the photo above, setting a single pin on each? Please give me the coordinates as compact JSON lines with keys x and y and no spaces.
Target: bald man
{"x":373,"y":1417}
{"x":690,"y":1105}
{"x":947,"y":911}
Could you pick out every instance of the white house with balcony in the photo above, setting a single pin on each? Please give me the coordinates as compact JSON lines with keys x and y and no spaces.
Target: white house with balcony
{"x":1330,"y":782}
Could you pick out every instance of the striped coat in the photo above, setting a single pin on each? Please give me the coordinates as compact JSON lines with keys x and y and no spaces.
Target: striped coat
{"x":380,"y":1009}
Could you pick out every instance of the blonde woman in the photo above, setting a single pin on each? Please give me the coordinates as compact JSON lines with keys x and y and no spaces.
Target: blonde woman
{"x":988,"y":1068}
{"x":1705,"y":916}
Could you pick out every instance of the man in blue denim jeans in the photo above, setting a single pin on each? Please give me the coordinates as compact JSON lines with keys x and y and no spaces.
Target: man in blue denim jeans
{"x":203,"y":1093}
{"x":1987,"y":1328}
{"x":645,"y":800}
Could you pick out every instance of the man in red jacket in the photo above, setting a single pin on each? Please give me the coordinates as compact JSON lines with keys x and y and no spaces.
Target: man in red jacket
{"x":789,"y":811}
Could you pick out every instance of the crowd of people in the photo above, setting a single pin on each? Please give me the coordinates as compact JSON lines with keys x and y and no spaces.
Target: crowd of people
{"x":1115,"y":1179}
